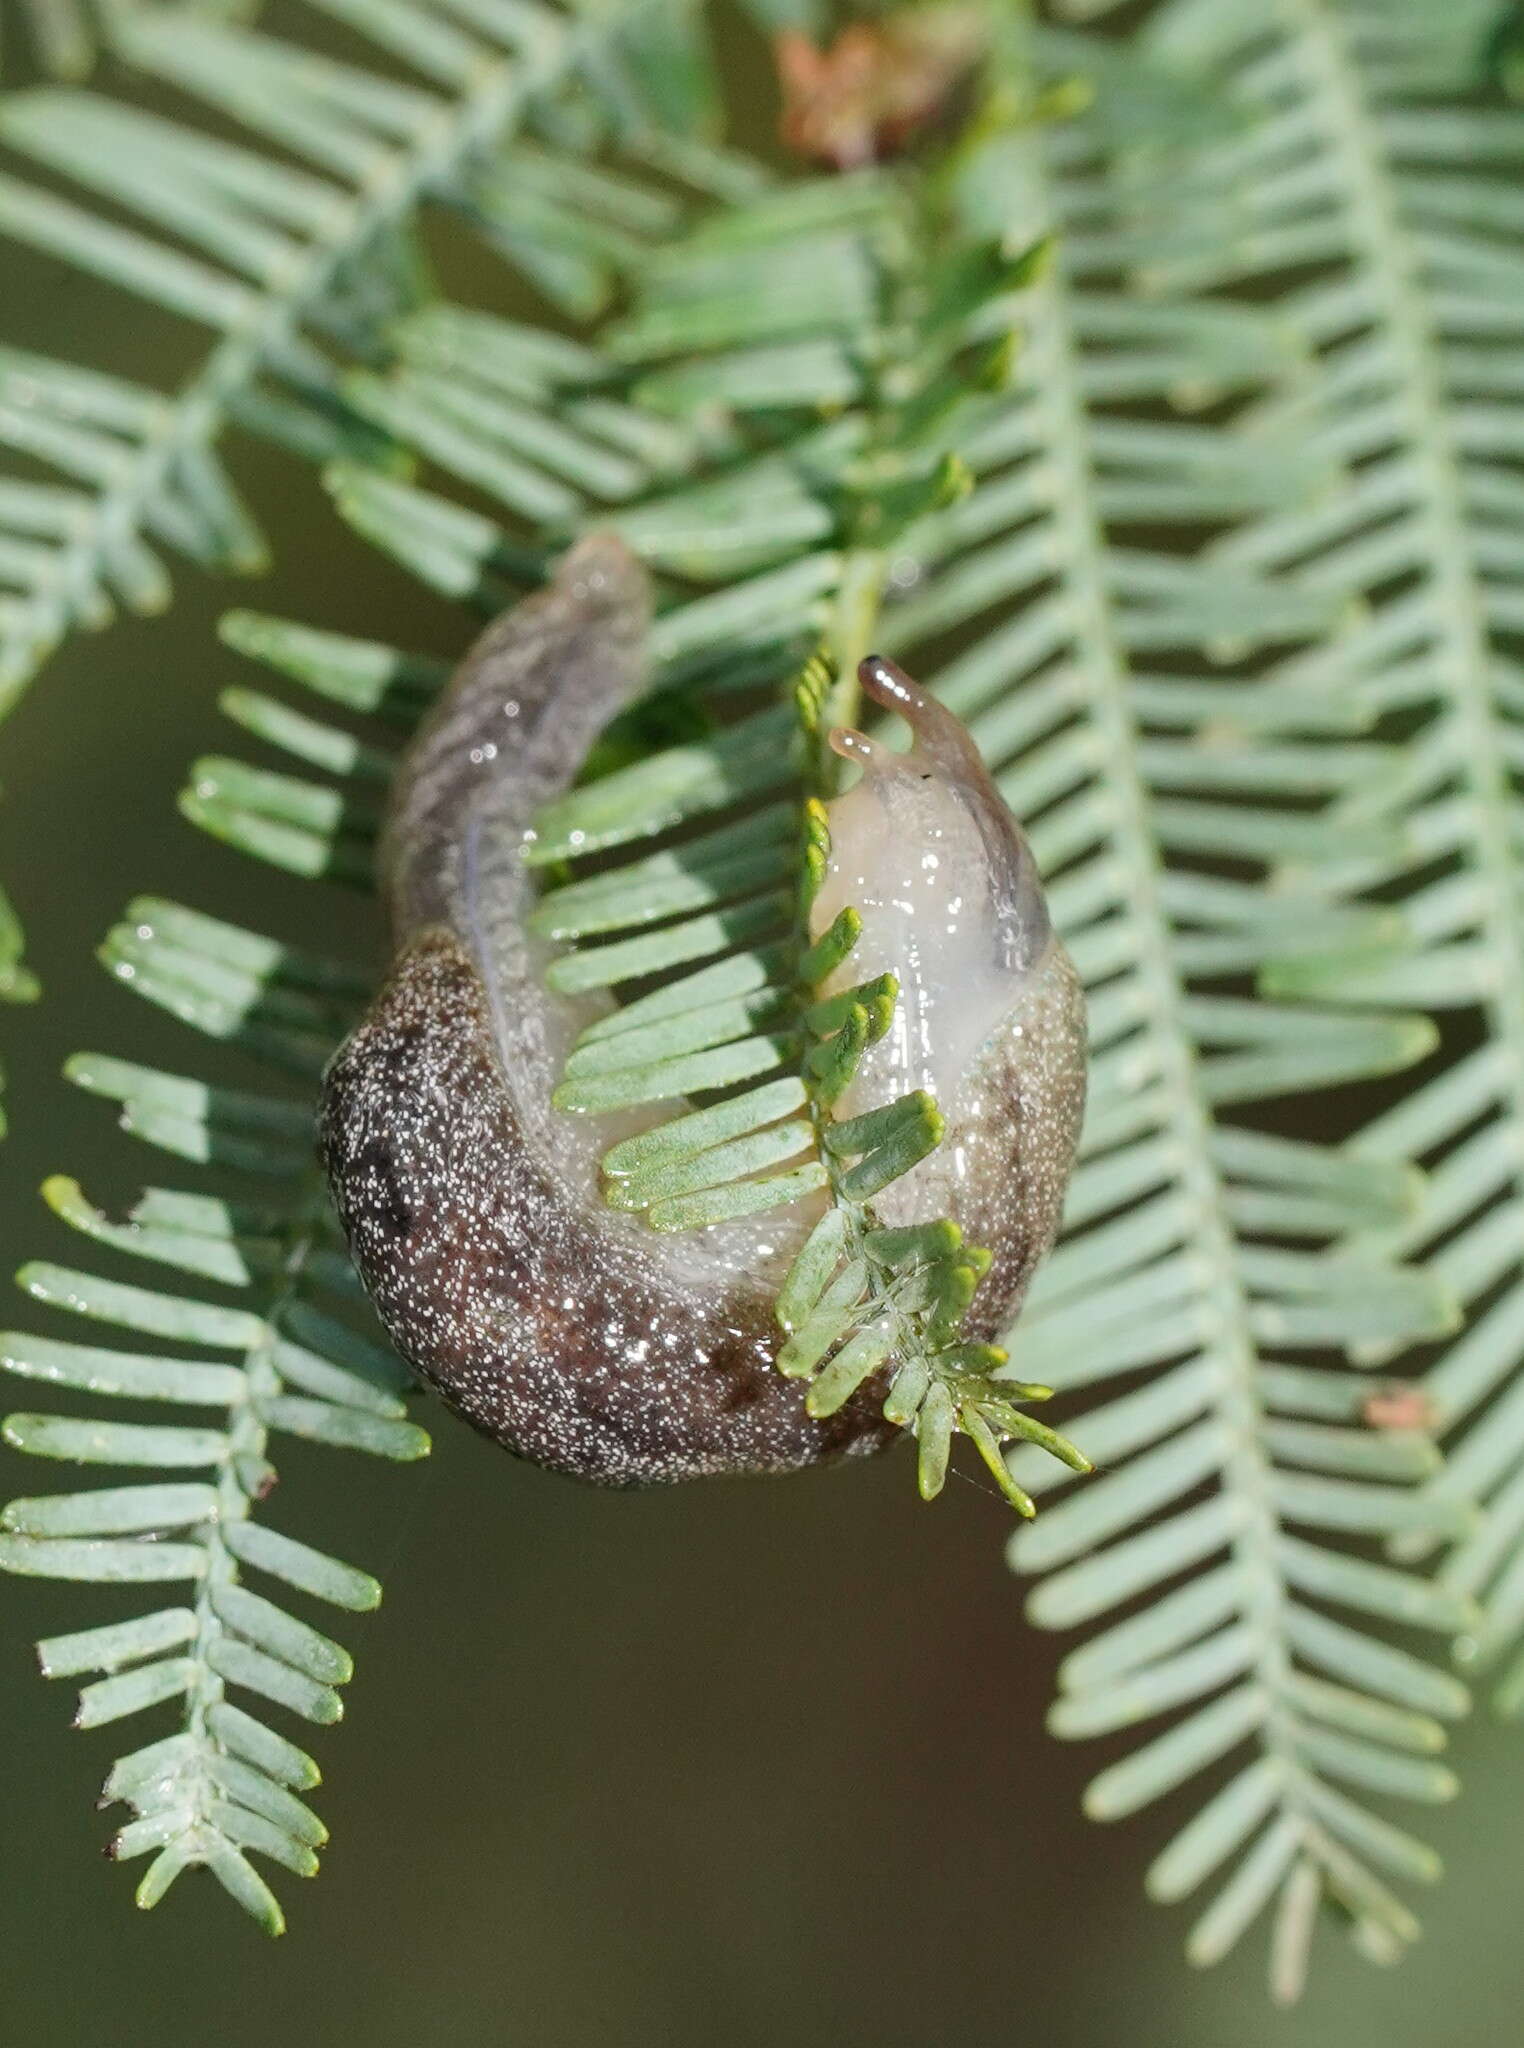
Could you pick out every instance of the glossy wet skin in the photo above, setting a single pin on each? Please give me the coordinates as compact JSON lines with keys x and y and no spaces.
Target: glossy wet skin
{"x":989,"y":1017}
{"x":924,"y":847}
{"x":574,"y":1335}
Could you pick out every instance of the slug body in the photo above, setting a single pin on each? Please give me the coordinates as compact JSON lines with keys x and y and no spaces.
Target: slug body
{"x":572,"y":1333}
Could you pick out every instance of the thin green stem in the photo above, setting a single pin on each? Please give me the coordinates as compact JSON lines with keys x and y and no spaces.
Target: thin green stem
{"x":1477,"y":752}
{"x":245,"y":1474}
{"x":1053,"y":367}
{"x":852,"y":632}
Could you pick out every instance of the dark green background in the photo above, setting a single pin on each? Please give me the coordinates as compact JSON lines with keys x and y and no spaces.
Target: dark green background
{"x":742,"y":1763}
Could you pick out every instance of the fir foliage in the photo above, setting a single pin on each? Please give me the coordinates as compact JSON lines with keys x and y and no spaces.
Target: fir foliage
{"x":291,"y":250}
{"x":1166,"y":424}
{"x":285,"y":1357}
{"x":64,"y":38}
{"x":1402,"y":195}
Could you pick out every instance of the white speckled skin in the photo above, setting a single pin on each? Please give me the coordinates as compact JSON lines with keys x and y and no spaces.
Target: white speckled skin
{"x":572,"y":1334}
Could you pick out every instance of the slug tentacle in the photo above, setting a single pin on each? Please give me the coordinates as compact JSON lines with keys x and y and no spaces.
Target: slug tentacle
{"x":572,"y":1332}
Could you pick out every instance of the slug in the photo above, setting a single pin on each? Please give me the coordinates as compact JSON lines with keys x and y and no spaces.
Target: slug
{"x":572,"y":1333}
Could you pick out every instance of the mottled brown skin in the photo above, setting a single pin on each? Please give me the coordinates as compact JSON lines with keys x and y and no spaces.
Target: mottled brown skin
{"x":553,"y":1325}
{"x":575,"y":1352}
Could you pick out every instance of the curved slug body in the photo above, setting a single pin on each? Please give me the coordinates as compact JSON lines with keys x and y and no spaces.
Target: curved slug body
{"x":472,"y":1208}
{"x":570,"y":1332}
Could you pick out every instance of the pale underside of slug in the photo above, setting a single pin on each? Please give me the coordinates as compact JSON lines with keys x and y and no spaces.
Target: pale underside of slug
{"x":575,"y":1335}
{"x":990,"y":1014}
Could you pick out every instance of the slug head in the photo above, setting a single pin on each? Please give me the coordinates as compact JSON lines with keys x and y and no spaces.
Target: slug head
{"x":924,"y":846}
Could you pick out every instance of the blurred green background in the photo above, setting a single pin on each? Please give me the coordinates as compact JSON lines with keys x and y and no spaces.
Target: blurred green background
{"x":739,"y":1763}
